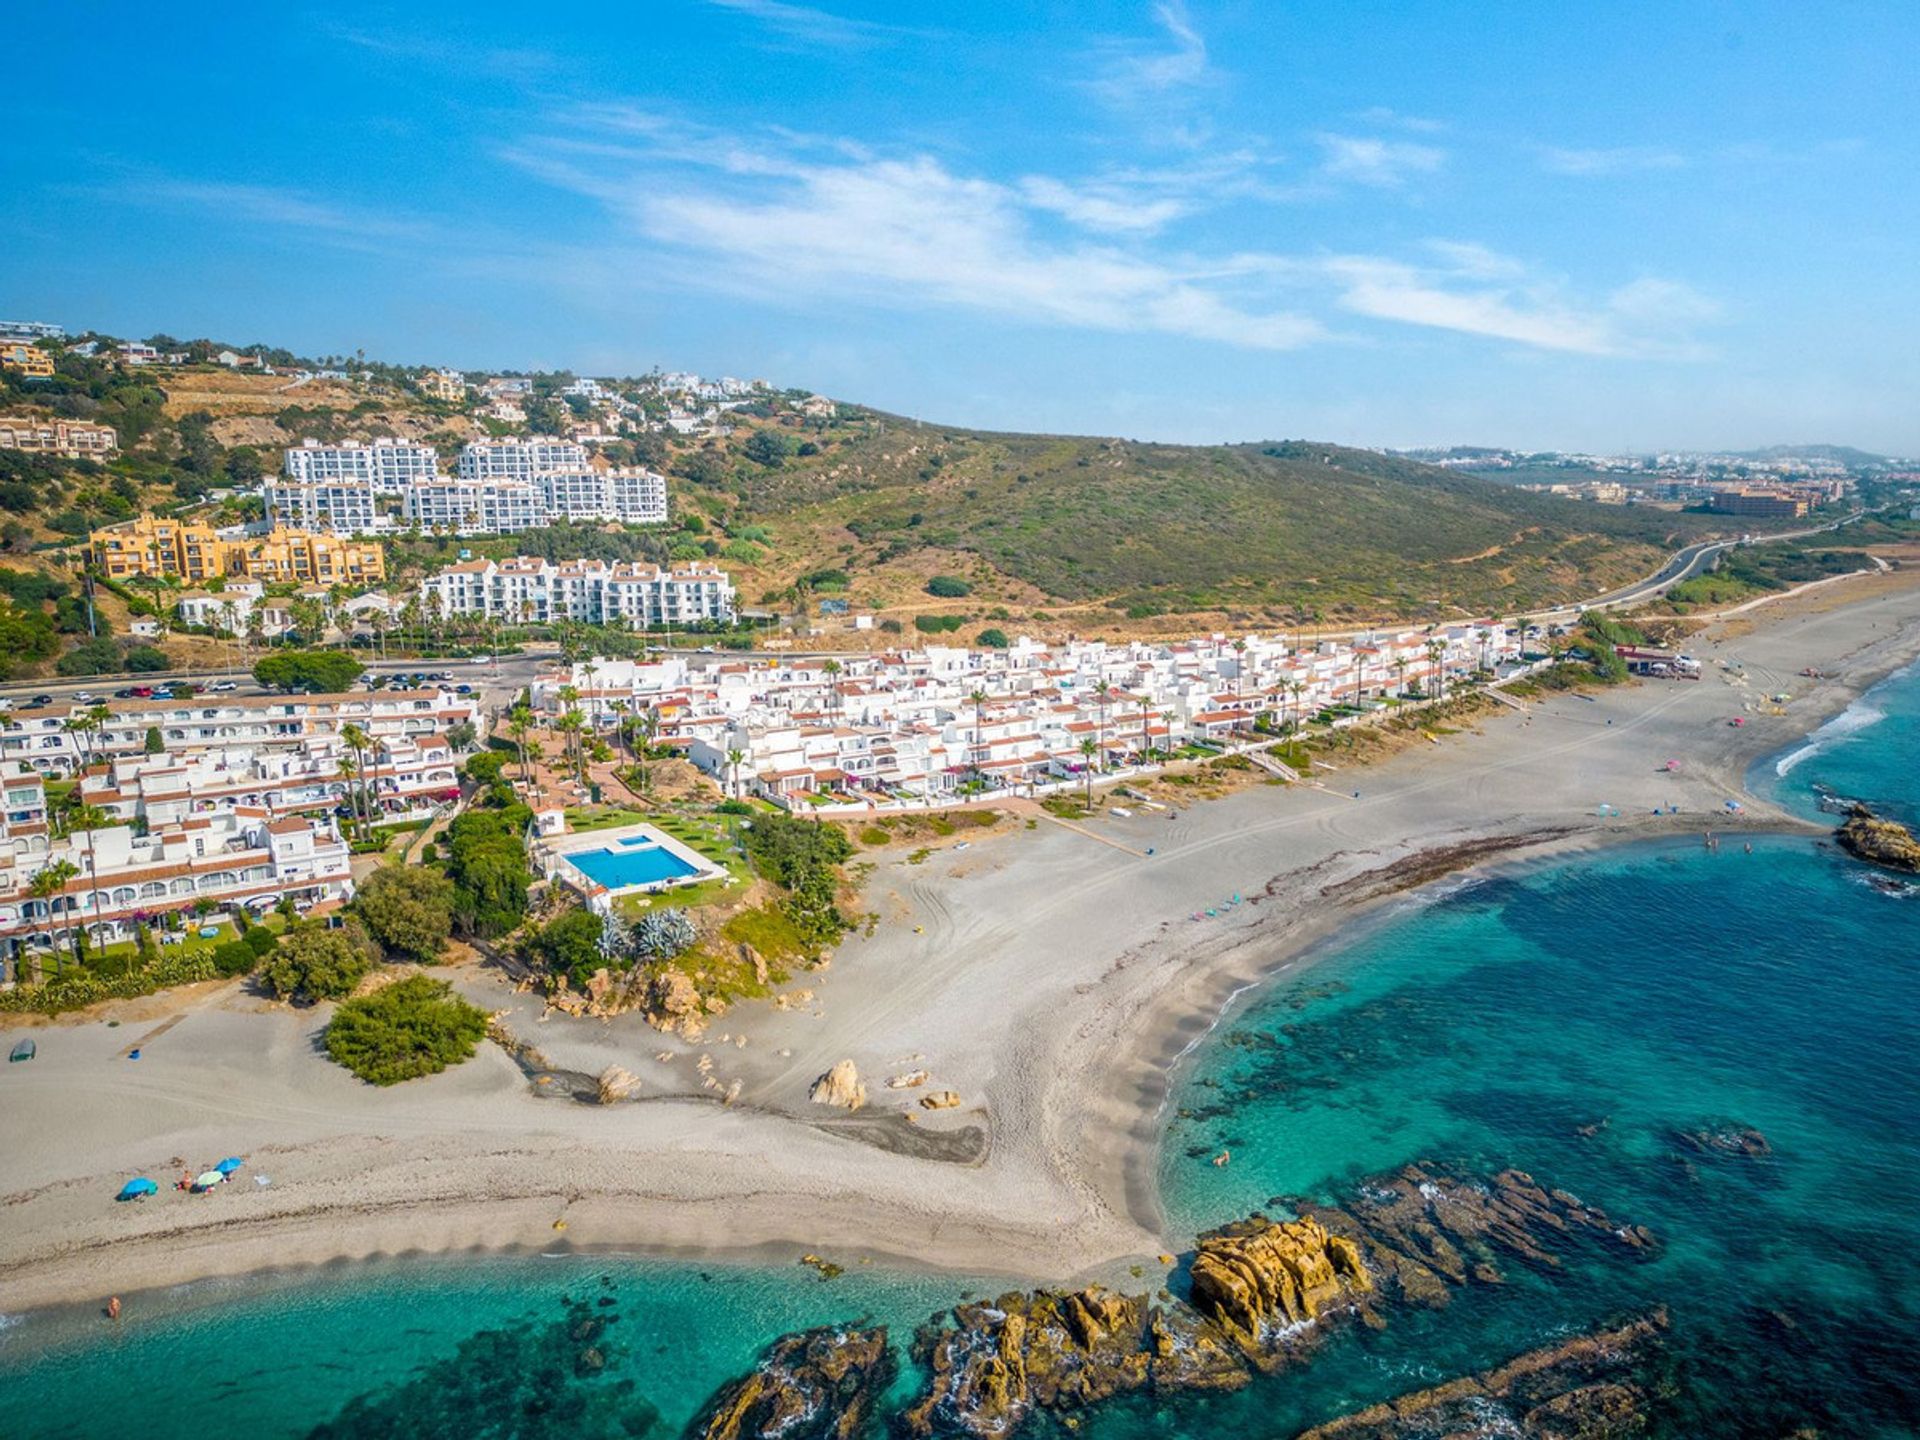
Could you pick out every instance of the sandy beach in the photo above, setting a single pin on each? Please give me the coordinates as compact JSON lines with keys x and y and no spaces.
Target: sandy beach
{"x":1050,"y":976}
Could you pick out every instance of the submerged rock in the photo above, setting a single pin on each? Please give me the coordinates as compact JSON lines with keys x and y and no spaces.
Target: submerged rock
{"x":1587,"y":1388}
{"x":1725,"y":1140}
{"x":1879,"y":842}
{"x":841,"y":1086}
{"x":821,"y":1384}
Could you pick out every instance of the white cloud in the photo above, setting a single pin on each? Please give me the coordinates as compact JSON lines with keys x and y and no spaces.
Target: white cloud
{"x":1381,"y":116}
{"x":1475,"y":291}
{"x":1133,"y":67}
{"x":269,"y":205}
{"x":1101,"y":207}
{"x":813,"y":221}
{"x":810,"y":26}
{"x":1369,"y":160}
{"x":1621,"y":160}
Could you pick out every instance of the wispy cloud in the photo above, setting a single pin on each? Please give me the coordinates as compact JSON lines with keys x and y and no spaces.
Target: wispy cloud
{"x":446,"y":52}
{"x":807,"y":25}
{"x":1159,"y":85}
{"x":1617,"y":160}
{"x":1475,"y":291}
{"x":817,"y":222}
{"x":1369,"y":160}
{"x":272,"y":206}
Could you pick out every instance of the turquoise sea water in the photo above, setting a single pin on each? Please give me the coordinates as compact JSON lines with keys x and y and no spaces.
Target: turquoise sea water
{"x":1632,"y":994}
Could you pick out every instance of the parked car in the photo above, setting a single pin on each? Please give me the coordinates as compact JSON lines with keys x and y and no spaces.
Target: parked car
{"x":40,"y":701}
{"x":126,"y":694}
{"x":481,"y":660}
{"x":85,"y":697}
{"x":461,"y":689}
{"x":141,"y":692}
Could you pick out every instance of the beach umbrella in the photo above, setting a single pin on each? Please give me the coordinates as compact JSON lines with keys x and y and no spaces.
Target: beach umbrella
{"x":137,"y":1188}
{"x":230,"y":1164}
{"x":207,"y":1179}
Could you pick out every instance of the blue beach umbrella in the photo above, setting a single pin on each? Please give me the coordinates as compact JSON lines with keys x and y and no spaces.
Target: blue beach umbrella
{"x":230,"y":1164}
{"x":137,"y":1189}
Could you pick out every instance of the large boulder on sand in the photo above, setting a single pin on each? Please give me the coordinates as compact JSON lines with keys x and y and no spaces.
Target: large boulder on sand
{"x":940,"y":1100}
{"x":617,"y":1083}
{"x":840,"y":1086}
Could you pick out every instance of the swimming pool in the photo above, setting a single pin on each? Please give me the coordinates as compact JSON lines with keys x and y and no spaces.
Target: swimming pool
{"x":631,"y":862}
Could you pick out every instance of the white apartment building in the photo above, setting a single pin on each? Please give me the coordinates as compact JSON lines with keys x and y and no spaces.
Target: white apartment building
{"x":389,"y":465}
{"x":475,"y":507}
{"x":533,"y":591}
{"x":40,"y":739}
{"x":233,"y":859}
{"x":30,"y":330}
{"x":518,"y":459}
{"x":338,"y":507}
{"x":632,"y":497}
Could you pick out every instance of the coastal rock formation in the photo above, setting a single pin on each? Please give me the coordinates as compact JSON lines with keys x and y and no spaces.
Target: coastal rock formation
{"x":908,"y":1081}
{"x":818,"y":1385}
{"x":673,"y":1004}
{"x":941,"y":1100}
{"x":1258,"y":1278}
{"x":617,"y":1083}
{"x":1879,"y":842}
{"x":1262,"y":1293}
{"x":1003,"y":1359}
{"x":1421,"y":1231}
{"x":1587,"y":1388}
{"x":841,"y":1086}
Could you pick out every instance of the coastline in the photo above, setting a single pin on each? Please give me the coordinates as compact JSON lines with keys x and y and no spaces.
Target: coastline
{"x":1072,"y":1086}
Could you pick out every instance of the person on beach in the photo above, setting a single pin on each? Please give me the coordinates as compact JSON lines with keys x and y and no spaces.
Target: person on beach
{"x":113,"y":1308}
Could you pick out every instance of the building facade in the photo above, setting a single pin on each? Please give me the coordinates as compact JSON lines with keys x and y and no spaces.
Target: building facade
{"x":25,"y":359}
{"x":70,"y":439}
{"x":389,"y":465}
{"x":533,"y":591}
{"x":186,"y":550}
{"x":518,"y":459}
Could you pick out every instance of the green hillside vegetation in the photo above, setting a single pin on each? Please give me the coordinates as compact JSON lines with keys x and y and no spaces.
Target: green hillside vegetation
{"x":1301,"y":529}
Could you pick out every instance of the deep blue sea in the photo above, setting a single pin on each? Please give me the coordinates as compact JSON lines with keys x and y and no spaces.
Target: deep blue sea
{"x":1571,"y":1019}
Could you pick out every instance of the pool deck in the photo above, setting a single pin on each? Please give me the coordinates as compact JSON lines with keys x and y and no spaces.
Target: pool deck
{"x":550,"y":855}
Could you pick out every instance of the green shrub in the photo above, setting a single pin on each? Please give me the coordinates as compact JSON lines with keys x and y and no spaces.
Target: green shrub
{"x":260,"y":940}
{"x":316,"y":962}
{"x":995,"y":639}
{"x":948,"y":587}
{"x":938,"y":624}
{"x":410,"y":1028}
{"x":236,"y":957}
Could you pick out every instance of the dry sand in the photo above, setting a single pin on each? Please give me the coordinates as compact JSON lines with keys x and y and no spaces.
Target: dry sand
{"x":1049,"y":978}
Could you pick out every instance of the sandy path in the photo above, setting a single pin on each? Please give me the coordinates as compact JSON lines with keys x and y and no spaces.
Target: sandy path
{"x":1052,"y":982}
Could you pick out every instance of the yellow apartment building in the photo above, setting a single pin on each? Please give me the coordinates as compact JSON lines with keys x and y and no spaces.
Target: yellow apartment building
{"x":195,"y":553}
{"x":27,"y":359}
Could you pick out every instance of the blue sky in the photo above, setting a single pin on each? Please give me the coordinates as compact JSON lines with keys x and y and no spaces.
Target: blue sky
{"x":1632,"y":225}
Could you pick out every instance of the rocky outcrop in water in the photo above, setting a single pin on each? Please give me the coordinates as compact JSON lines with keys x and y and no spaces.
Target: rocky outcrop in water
{"x":1259,"y":1277}
{"x":1879,"y":842}
{"x":1422,"y":1232}
{"x":1263,"y":1293}
{"x":1587,"y":1388}
{"x":821,"y":1384}
{"x":1002,"y":1359}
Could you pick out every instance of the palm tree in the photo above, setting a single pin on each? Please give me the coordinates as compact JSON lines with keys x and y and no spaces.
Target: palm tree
{"x":734,"y":757}
{"x":570,"y":725}
{"x":1100,"y":693}
{"x":1240,"y":667}
{"x":83,"y":818}
{"x":47,"y":883}
{"x":1145,"y":702}
{"x":1400,"y":675}
{"x":831,"y":669}
{"x":357,"y":740}
{"x":1297,"y":688}
{"x":979,"y":699}
{"x":519,"y":726}
{"x":1435,"y":649}
{"x":593,"y":711}
{"x":1088,"y":749}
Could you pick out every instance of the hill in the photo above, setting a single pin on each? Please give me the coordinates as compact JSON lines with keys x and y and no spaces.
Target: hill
{"x":1290,"y":531}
